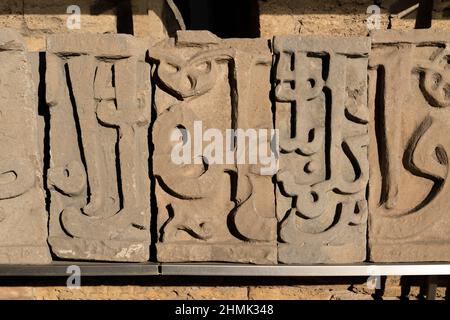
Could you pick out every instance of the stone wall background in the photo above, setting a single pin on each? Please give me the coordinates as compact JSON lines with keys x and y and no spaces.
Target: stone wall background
{"x":219,"y":288}
{"x":37,"y":18}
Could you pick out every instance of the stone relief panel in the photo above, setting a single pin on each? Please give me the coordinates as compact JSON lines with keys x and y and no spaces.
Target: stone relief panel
{"x":322,"y":117}
{"x":255,"y":158}
{"x":409,"y":96}
{"x":23,"y":219}
{"x":98,"y":92}
{"x":215,"y":204}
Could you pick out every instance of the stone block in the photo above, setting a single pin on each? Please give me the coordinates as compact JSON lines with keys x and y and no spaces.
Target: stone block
{"x":409,"y":92}
{"x":322,"y":115}
{"x":211,"y":205}
{"x":23,"y":220}
{"x":98,"y":92}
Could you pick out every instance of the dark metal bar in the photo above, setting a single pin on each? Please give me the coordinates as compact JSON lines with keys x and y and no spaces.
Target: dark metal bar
{"x":60,"y":269}
{"x":431,"y":287}
{"x":424,"y":14}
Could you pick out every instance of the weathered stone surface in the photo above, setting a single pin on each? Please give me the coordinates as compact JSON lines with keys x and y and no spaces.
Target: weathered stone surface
{"x":296,"y":292}
{"x":131,"y":292}
{"x":312,"y":17}
{"x":36,"y":19}
{"x":98,"y":89}
{"x":40,"y":18}
{"x":215,"y":208}
{"x":152,"y":18}
{"x":321,"y":112}
{"x":23,"y":220}
{"x":409,"y":95}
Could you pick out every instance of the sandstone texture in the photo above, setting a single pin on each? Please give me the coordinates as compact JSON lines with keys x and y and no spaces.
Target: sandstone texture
{"x":393,"y":288}
{"x":23,"y":219}
{"x":311,"y":17}
{"x":98,"y":92}
{"x":344,"y":17}
{"x":409,"y":96}
{"x":322,"y":115}
{"x":210,"y":207}
{"x":36,"y":20}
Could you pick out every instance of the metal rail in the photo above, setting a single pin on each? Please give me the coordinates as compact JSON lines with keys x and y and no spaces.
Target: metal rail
{"x":60,"y":269}
{"x":306,"y":270}
{"x":223,"y":269}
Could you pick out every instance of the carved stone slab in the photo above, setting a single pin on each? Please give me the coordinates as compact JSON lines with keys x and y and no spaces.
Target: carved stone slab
{"x":409,"y":92}
{"x":98,"y":89}
{"x":23,"y":220}
{"x":210,"y":207}
{"x":322,"y":115}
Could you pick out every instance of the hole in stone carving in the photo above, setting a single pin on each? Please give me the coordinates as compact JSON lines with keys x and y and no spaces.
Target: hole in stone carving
{"x":307,"y":168}
{"x":118,"y":169}
{"x":205,"y":164}
{"x":441,"y":155}
{"x":153,"y":203}
{"x":231,"y":216}
{"x":137,"y":226}
{"x":44,"y":113}
{"x":191,"y":83}
{"x":113,"y":75}
{"x":292,"y":84}
{"x":312,"y":82}
{"x":292,"y":60}
{"x":66,"y":173}
{"x":293,"y":126}
{"x":315,"y":196}
{"x":233,"y":97}
{"x":356,"y":210}
{"x":350,"y":156}
{"x":311,"y":135}
{"x":328,"y":129}
{"x":380,"y":133}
